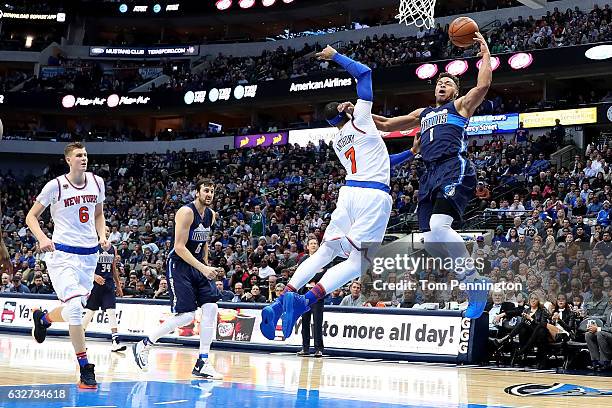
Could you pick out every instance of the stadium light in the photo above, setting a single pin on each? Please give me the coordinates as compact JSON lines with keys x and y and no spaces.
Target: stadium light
{"x":245,"y":4}
{"x":223,"y":4}
{"x":457,"y":67}
{"x":267,"y":3}
{"x":521,"y":60}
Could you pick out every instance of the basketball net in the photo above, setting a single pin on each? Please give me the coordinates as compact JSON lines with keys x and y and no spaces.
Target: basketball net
{"x":417,"y":12}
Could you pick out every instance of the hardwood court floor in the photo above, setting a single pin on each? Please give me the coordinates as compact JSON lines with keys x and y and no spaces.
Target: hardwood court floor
{"x":267,"y":380}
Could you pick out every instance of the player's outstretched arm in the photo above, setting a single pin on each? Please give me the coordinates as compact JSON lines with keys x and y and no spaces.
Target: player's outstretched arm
{"x":183,"y":219}
{"x":406,"y":155}
{"x":404,"y":122}
{"x":466,"y":105}
{"x":362,"y":73}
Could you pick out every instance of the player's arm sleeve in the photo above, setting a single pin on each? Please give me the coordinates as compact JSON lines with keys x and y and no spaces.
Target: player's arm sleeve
{"x":49,"y":191}
{"x":362,"y":73}
{"x":401,"y":158}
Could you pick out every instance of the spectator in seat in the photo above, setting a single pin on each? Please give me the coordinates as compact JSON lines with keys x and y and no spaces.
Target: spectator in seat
{"x":497,"y":309}
{"x":238,"y":292}
{"x":355,"y":298}
{"x":565,"y":317}
{"x":39,"y":287}
{"x":253,"y":296}
{"x":599,"y":341}
{"x":268,"y":291}
{"x":265,"y":271}
{"x":597,"y":303}
{"x":5,"y":285}
{"x":162,"y":290}
{"x":18,"y":286}
{"x":532,"y":331}
{"x":334,"y":298}
{"x":142,"y":292}
{"x":226,"y":295}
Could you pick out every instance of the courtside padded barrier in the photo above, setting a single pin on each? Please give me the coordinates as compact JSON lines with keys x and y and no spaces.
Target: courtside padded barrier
{"x":385,"y":333}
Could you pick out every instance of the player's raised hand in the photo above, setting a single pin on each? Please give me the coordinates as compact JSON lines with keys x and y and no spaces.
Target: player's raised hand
{"x":46,"y":245}
{"x":484,"y":48}
{"x":346,"y":107}
{"x":327,"y":53}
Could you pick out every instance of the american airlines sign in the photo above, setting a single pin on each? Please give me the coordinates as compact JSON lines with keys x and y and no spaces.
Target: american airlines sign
{"x":314,"y":85}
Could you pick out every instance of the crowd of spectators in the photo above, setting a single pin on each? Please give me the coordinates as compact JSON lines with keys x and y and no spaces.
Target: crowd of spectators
{"x":555,"y":29}
{"x":554,"y":234}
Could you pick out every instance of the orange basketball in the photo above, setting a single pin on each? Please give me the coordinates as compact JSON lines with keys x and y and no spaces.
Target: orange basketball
{"x":461,"y":31}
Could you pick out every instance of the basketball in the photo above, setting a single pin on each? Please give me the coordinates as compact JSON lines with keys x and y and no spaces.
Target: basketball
{"x":461,"y":31}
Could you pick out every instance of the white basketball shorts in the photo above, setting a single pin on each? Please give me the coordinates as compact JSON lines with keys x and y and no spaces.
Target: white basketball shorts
{"x":71,"y":275}
{"x":361,"y":215}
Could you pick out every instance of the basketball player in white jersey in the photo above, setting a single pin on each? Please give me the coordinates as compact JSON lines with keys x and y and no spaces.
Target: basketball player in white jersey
{"x":362,"y":210}
{"x":76,"y":201}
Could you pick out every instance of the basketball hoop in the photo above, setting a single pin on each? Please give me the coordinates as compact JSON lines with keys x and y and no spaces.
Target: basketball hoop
{"x":417,"y":12}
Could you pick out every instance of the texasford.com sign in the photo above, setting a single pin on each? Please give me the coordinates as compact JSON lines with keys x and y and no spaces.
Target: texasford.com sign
{"x":146,"y":52}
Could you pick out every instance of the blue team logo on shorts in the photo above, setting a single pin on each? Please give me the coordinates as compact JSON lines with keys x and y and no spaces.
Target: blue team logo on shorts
{"x":449,"y":191}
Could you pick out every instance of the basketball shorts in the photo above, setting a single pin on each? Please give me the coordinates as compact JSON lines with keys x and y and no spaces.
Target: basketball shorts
{"x":188,"y":287}
{"x":361,"y":215}
{"x":453,"y":179}
{"x":71,"y":274}
{"x":102,"y":297}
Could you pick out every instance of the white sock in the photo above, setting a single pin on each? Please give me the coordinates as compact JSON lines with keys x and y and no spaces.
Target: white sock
{"x":208,"y":326}
{"x":112,"y":319}
{"x":446,"y":240}
{"x":87,"y":318}
{"x":339,"y":274}
{"x":178,"y":320}
{"x":311,"y":266}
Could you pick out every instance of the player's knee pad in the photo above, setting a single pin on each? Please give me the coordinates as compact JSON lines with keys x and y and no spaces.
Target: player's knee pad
{"x":440,"y":222}
{"x":184,"y":319}
{"x":209,"y":314}
{"x":73,"y":311}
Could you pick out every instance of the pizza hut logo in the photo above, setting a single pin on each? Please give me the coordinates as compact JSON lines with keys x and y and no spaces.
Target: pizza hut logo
{"x":8,"y":312}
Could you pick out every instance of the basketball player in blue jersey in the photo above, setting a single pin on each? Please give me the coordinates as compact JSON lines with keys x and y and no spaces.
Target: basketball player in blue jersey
{"x":450,"y":180}
{"x":191,"y":280}
{"x":103,"y":295}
